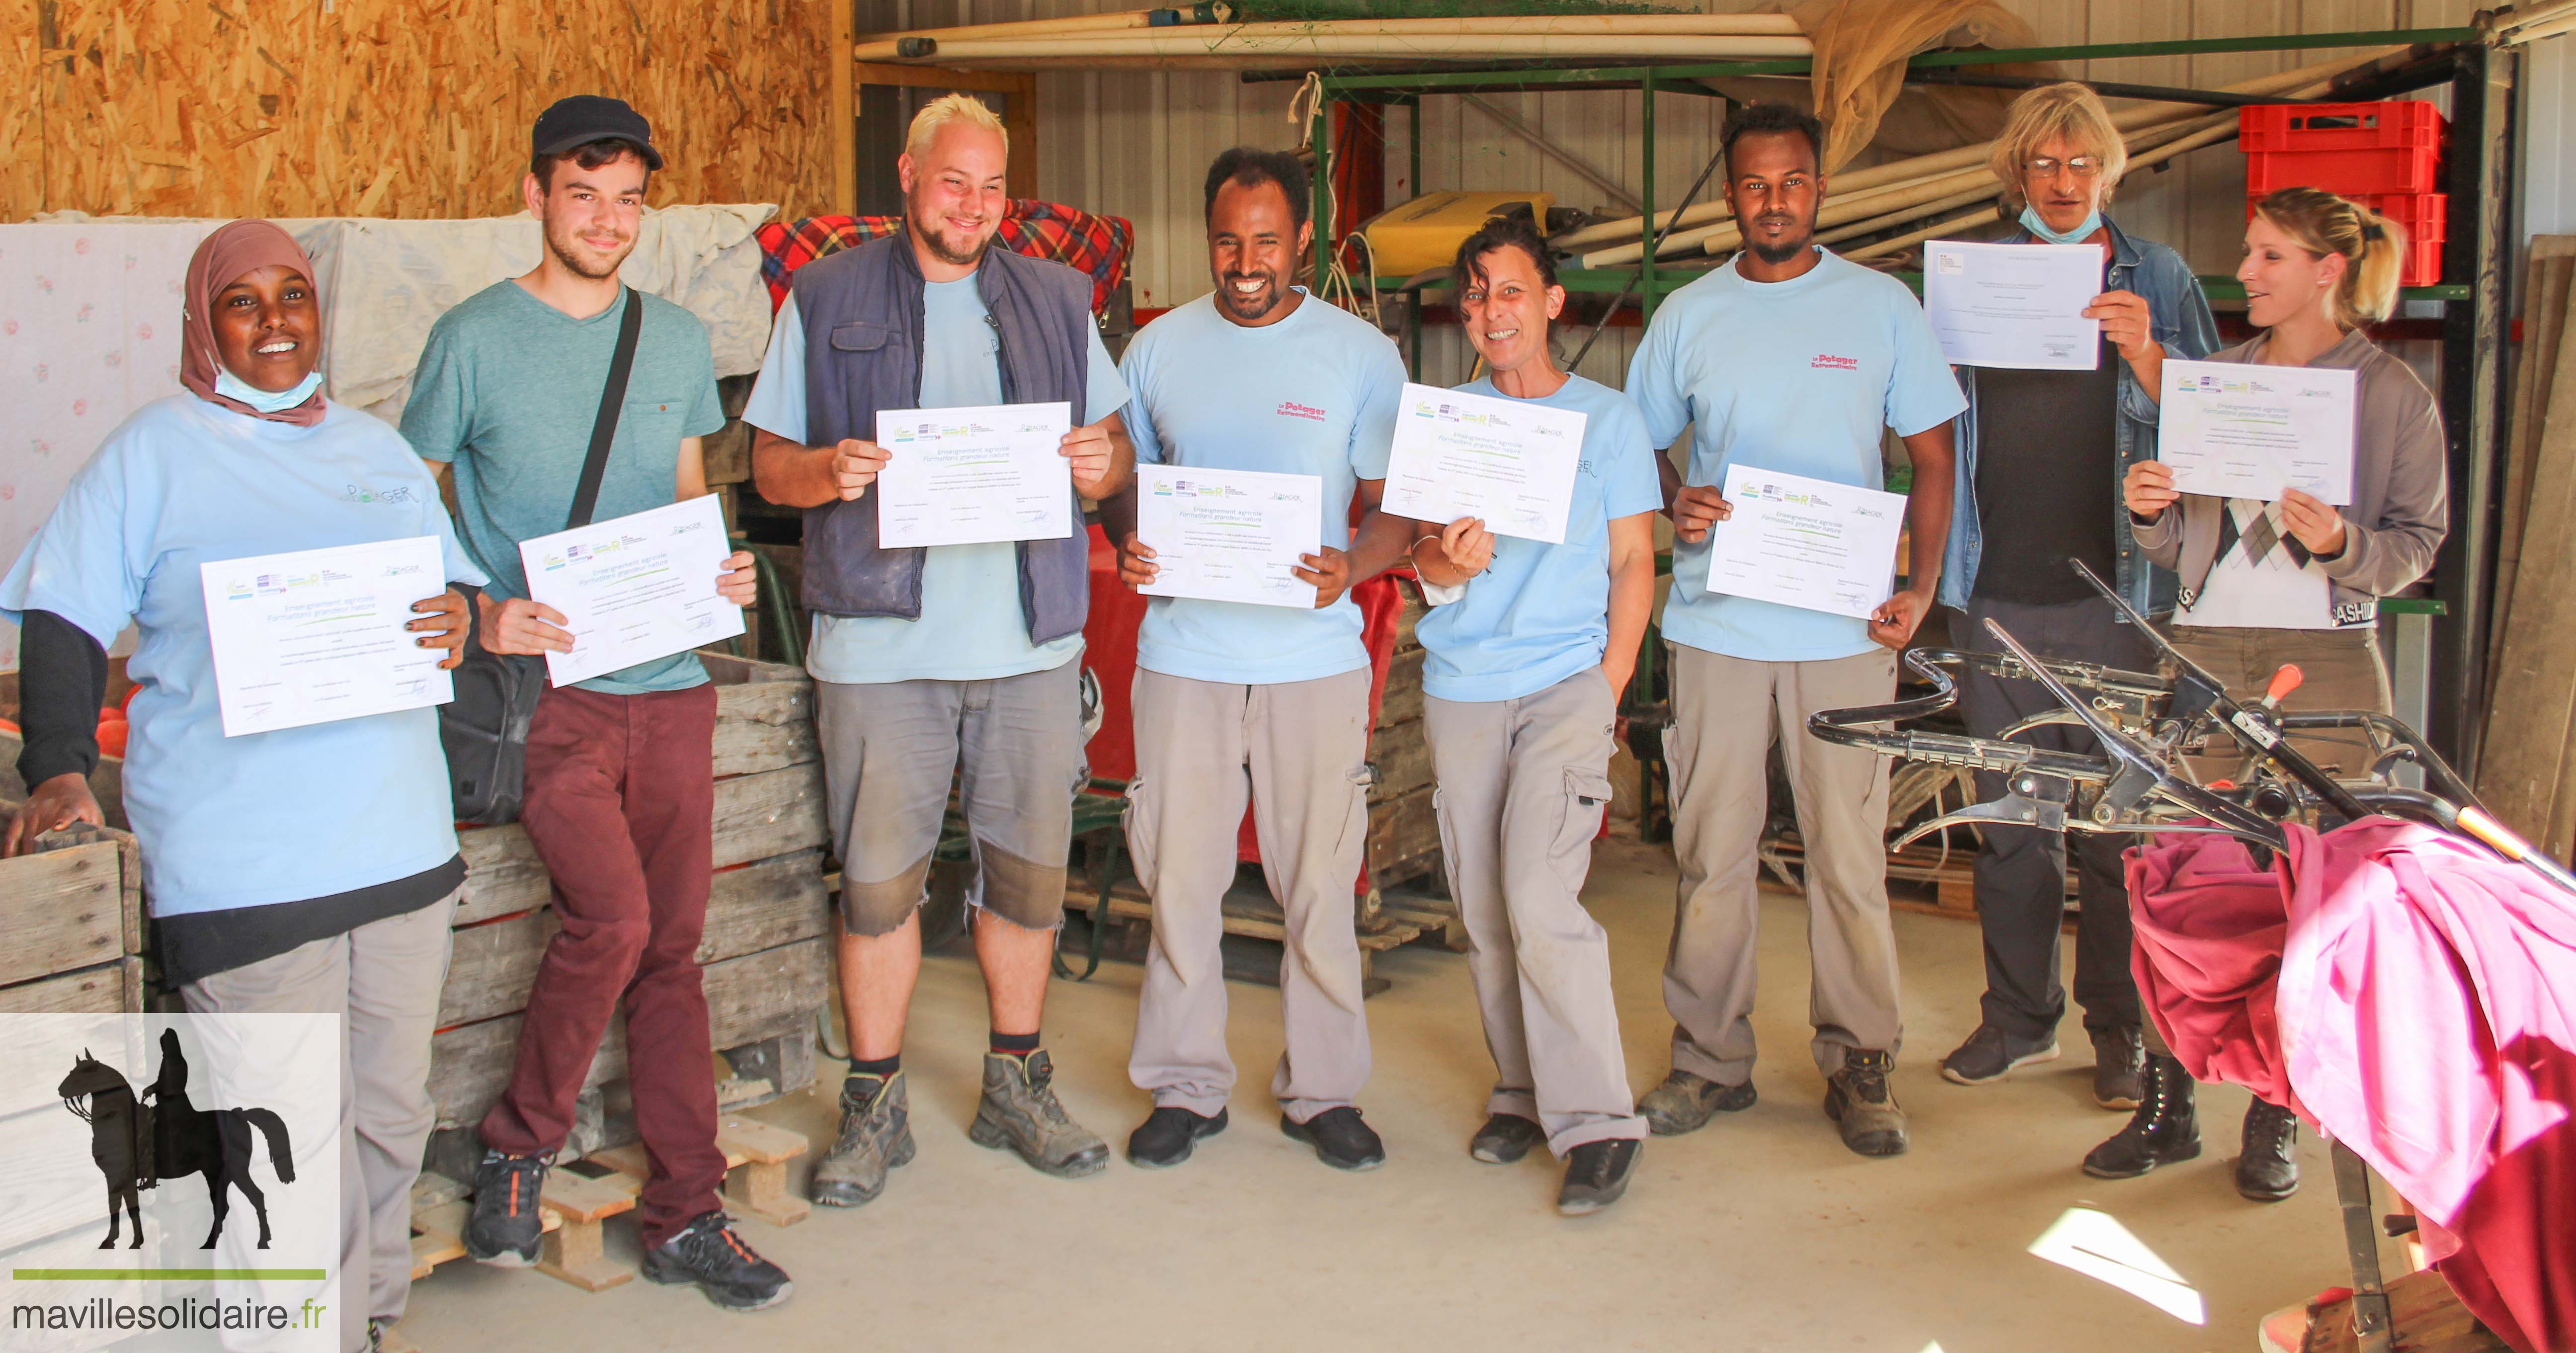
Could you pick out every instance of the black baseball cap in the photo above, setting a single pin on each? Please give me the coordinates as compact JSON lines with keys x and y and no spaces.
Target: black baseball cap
{"x":583,"y":118}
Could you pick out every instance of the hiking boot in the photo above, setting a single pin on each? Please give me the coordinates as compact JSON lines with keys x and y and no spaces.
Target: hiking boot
{"x":1685,"y":1102}
{"x":876,"y":1136}
{"x":2164,"y":1131}
{"x":1505,"y":1137}
{"x":2119,"y":1061}
{"x":1020,"y":1111}
{"x":1596,"y":1173}
{"x":2267,"y":1171}
{"x":1340,"y":1139}
{"x":1859,"y":1098}
{"x":709,"y":1253}
{"x":1990,"y":1052}
{"x":505,"y":1224}
{"x":1168,"y":1135}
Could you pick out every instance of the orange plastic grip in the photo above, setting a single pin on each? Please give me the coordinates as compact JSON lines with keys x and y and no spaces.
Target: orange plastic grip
{"x":2283,"y":682}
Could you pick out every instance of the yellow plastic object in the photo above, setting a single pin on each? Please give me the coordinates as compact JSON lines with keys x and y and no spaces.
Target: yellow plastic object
{"x":1425,"y":233}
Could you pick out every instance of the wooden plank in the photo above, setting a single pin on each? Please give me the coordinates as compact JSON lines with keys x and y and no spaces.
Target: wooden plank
{"x":759,"y":1142}
{"x":491,"y":967}
{"x":1402,"y":755}
{"x":756,"y":816}
{"x":2535,"y":676}
{"x":1404,"y":837}
{"x":1402,"y":702}
{"x":764,"y":715}
{"x":61,"y":910}
{"x":130,"y":867}
{"x":576,"y":1197}
{"x":102,"y":990}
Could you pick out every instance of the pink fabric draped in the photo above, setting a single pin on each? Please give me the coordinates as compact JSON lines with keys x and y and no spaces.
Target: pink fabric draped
{"x":2413,"y":997}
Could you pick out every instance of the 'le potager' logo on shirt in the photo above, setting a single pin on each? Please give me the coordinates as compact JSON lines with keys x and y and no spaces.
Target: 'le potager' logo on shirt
{"x":171,"y":1175}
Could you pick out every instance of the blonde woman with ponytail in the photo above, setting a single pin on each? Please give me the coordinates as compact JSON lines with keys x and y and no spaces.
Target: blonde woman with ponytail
{"x":2296,"y":581}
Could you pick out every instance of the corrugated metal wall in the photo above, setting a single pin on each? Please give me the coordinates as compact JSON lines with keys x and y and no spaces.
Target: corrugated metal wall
{"x":1137,"y":143}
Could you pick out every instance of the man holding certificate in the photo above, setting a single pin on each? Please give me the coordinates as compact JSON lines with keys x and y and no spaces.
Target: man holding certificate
{"x":936,"y":405}
{"x":1788,"y":364}
{"x":619,"y":805}
{"x":2041,"y":453}
{"x":1264,"y":693}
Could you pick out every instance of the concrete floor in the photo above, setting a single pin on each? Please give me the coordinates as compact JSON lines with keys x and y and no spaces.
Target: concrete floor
{"x":1759,"y":1232}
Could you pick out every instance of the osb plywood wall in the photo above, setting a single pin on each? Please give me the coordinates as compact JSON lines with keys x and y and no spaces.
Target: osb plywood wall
{"x":407,"y":108}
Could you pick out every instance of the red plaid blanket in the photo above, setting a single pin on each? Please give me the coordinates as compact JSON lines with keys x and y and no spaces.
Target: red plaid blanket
{"x":1098,"y":245}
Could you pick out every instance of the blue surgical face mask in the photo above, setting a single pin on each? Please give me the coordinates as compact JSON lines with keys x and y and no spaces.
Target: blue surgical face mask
{"x":2030,"y":221}
{"x":231,"y":386}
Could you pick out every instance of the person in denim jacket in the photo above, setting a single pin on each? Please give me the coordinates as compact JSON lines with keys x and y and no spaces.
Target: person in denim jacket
{"x":2034,"y":446}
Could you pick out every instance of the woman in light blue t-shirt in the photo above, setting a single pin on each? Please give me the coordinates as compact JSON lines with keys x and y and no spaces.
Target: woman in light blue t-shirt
{"x":1528,"y":647}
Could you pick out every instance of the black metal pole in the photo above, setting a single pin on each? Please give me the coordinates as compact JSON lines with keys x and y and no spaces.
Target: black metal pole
{"x":2479,"y":252}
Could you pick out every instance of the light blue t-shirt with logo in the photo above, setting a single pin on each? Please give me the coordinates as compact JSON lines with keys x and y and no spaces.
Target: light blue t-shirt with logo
{"x":1541,"y":613}
{"x":972,"y":625}
{"x":1315,"y":393}
{"x":281,"y":816}
{"x":1801,"y":377}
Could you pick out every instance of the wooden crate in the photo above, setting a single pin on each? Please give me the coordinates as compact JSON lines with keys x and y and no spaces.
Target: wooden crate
{"x":1404,"y":835}
{"x":766,"y":947}
{"x":71,"y":923}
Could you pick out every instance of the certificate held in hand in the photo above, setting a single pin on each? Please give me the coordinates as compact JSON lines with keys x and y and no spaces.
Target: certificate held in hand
{"x":2018,"y":306}
{"x":319,"y":635}
{"x":972,"y":476}
{"x":1803,"y":542}
{"x":633,"y":588}
{"x":2239,"y":430}
{"x":1508,"y":462}
{"x":1229,"y":535}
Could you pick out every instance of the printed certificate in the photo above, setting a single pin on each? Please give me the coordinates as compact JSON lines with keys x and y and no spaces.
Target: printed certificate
{"x":1805,"y":542}
{"x":2014,"y":305}
{"x":1229,"y":535}
{"x":318,"y":635}
{"x":634,"y":588}
{"x":2236,"y":430}
{"x":967,"y":476}
{"x":1507,"y":461}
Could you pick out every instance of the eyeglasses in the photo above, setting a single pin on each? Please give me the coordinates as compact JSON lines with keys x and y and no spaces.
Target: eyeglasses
{"x":2084,"y":166}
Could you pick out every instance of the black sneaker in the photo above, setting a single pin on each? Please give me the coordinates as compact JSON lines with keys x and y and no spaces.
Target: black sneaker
{"x":1168,"y":1135}
{"x":1685,"y":1102}
{"x":1340,"y":1139}
{"x":708,"y":1252}
{"x":504,"y":1228}
{"x":1505,"y":1137}
{"x":1596,"y":1173}
{"x":1990,"y":1052}
{"x":2267,"y":1171}
{"x":2119,"y":1066}
{"x":2165,"y":1129}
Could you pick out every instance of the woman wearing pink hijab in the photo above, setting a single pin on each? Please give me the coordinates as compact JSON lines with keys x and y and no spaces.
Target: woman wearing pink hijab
{"x":296,"y":870}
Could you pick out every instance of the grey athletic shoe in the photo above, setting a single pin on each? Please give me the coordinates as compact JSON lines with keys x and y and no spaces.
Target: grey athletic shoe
{"x":1859,"y":1098}
{"x":1685,"y":1102}
{"x":1990,"y":1052}
{"x":2119,"y":1066}
{"x":876,"y":1136}
{"x":1020,"y":1111}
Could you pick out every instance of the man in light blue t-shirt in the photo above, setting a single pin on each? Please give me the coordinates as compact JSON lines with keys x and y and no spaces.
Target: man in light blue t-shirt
{"x":1788,"y":359}
{"x":951,"y":660}
{"x":1267,"y":702}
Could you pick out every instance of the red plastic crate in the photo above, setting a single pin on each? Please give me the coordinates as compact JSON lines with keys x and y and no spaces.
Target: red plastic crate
{"x":2425,"y":217}
{"x":2350,"y":148}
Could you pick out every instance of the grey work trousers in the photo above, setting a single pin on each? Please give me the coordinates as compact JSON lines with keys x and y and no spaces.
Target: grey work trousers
{"x":1726,"y":713}
{"x":1015,"y":745}
{"x":383,"y":980}
{"x":1299,"y":751}
{"x":1523,"y":786}
{"x":2021,"y":871}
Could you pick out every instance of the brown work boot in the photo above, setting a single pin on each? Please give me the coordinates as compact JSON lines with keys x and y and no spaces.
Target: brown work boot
{"x":1859,"y":1098}
{"x":1020,"y":1111}
{"x":876,"y":1136}
{"x":1684,"y":1102}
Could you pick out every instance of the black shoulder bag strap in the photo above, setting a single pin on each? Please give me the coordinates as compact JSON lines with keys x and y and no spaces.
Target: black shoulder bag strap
{"x":603,"y":430}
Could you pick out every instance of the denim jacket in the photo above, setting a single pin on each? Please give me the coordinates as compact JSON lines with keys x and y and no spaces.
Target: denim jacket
{"x":2179,"y":316}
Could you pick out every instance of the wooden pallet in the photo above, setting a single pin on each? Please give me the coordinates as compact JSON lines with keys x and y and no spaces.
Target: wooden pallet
{"x":1919,"y":880}
{"x":580,"y":1197}
{"x":1250,"y":914}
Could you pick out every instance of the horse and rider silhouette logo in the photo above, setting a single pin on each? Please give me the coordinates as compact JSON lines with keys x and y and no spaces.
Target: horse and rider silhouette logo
{"x":137,"y":1144}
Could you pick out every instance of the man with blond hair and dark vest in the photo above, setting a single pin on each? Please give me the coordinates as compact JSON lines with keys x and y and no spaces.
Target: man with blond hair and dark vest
{"x":959,"y":659}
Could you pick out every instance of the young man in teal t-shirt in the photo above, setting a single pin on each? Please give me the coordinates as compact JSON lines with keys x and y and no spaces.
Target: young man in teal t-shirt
{"x":1786,"y":359}
{"x":620,"y":769}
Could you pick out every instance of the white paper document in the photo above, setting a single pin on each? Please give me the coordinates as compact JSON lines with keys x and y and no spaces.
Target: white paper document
{"x":318,"y":635}
{"x":633,"y":588}
{"x":2014,"y":305}
{"x":967,"y":476}
{"x":2236,"y":430}
{"x":1805,"y":542}
{"x":1506,"y":461}
{"x":1229,"y":535}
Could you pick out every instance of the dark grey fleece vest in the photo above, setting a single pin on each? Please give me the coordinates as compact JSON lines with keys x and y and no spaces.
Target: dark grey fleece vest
{"x":862,"y":311}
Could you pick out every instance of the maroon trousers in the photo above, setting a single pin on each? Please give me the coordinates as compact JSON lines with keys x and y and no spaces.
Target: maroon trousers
{"x":620,"y":805}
